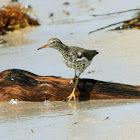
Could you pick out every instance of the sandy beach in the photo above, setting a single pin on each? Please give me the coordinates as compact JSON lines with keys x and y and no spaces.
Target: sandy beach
{"x":118,"y":61}
{"x":99,"y":120}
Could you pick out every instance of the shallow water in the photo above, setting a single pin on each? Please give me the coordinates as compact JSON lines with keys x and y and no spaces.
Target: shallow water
{"x":116,"y":119}
{"x":118,"y":61}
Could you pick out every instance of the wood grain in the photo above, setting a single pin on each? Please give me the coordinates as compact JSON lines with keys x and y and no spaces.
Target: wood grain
{"x":26,"y":86}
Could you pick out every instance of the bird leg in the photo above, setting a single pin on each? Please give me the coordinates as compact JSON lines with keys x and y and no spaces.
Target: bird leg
{"x":72,"y":95}
{"x":74,"y":79}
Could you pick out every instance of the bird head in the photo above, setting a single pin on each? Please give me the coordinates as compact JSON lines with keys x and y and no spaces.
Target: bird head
{"x":52,"y":43}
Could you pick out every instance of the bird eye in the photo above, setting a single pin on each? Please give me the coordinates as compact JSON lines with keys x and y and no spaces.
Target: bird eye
{"x":53,"y":42}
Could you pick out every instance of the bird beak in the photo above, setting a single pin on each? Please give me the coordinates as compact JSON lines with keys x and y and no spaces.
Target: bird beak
{"x":45,"y":46}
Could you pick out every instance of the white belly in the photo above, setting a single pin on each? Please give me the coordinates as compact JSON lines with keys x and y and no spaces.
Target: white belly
{"x":79,"y":64}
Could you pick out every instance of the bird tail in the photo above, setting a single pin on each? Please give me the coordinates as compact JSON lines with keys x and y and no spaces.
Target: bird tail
{"x":96,"y":52}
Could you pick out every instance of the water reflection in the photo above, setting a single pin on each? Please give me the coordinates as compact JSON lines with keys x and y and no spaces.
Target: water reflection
{"x":69,"y":120}
{"x":28,"y":110}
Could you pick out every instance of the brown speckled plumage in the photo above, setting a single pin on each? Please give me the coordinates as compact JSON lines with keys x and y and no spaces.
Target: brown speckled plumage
{"x":74,"y":57}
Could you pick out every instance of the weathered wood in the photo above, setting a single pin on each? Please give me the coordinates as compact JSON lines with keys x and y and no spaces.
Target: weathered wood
{"x":26,"y":86}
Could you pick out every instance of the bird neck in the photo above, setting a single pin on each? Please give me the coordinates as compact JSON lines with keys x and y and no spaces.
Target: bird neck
{"x":63,"y":48}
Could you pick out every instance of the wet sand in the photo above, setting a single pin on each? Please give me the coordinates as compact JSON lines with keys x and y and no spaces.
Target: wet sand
{"x":118,"y":51}
{"x":98,"y":120}
{"x":118,"y":61}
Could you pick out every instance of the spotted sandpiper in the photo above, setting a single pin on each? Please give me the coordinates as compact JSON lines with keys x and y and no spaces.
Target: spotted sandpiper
{"x":74,"y":57}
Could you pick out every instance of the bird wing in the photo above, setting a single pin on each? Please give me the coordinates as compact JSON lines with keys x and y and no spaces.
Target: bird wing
{"x":79,"y":54}
{"x":89,"y":54}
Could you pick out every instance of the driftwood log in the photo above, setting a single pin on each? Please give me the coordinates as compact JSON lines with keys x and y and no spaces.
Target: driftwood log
{"x":26,"y":86}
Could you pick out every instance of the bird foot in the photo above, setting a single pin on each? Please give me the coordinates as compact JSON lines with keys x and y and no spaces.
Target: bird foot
{"x":72,"y":95}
